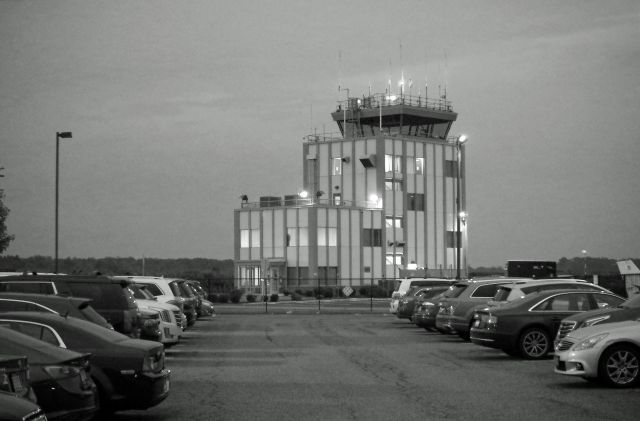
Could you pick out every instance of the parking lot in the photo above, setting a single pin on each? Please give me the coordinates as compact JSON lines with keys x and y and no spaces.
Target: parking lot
{"x":363,"y":366}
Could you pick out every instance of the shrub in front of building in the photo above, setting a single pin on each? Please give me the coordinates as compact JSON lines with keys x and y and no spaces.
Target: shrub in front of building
{"x":235,"y":296}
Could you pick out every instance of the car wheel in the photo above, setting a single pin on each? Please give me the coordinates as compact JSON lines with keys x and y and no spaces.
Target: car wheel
{"x":534,"y":344}
{"x":619,"y":366}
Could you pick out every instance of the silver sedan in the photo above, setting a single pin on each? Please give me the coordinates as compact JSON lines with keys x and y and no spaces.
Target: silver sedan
{"x":609,"y":353}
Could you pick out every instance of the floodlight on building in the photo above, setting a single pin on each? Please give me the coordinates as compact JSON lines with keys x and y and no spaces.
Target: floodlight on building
{"x":303,"y":194}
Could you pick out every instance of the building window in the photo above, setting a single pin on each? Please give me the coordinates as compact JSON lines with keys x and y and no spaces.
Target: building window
{"x":297,"y":237}
{"x":371,"y":237}
{"x":244,"y":238}
{"x":451,"y":169}
{"x":394,"y":259}
{"x":451,"y":239}
{"x":419,"y":166}
{"x":390,"y":184}
{"x":255,"y":237}
{"x":303,"y":237}
{"x":337,"y":199}
{"x":292,"y":237}
{"x":393,"y":222}
{"x":392,"y":163}
{"x":337,"y":166}
{"x":415,"y":201}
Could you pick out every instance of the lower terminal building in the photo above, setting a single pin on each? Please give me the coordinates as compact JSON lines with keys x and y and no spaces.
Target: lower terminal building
{"x":386,"y":199}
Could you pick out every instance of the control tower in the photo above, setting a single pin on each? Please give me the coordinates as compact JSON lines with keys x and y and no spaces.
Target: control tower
{"x":384,"y":199}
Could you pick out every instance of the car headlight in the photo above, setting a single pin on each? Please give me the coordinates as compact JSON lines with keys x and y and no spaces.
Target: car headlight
{"x":61,"y":371}
{"x":590,"y":342}
{"x":153,"y":362}
{"x":492,"y":322}
{"x":595,"y":320}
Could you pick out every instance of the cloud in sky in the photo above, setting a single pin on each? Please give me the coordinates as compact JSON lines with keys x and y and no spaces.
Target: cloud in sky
{"x":178,"y":107}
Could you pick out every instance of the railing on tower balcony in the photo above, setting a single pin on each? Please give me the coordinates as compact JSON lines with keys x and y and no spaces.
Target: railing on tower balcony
{"x":298,"y":202}
{"x":387,"y":100}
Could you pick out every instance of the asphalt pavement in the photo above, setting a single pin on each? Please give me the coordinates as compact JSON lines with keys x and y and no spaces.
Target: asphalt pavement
{"x":363,"y":366}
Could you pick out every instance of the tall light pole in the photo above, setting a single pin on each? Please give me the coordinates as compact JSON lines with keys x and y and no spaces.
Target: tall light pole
{"x":459,"y":214}
{"x":584,"y":275}
{"x":59,"y":135}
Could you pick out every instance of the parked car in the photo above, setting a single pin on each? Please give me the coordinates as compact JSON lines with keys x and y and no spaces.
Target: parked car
{"x":455,"y":311}
{"x":426,"y":310}
{"x":607,"y":352}
{"x":205,"y":307}
{"x":112,"y":299}
{"x":59,"y":377}
{"x":67,"y":306}
{"x":129,"y":373}
{"x":413,"y":297}
{"x":190,"y":300}
{"x":629,"y":310}
{"x":526,"y":327}
{"x":169,"y":331}
{"x":14,"y":376}
{"x":518,"y":289}
{"x":405,"y":284}
{"x":14,"y":408}
{"x":164,"y":289}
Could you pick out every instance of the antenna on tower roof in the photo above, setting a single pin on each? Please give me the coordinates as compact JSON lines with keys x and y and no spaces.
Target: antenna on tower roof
{"x":445,"y":75}
{"x":426,"y":71}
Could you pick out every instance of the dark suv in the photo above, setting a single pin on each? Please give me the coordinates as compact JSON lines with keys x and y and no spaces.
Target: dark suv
{"x":112,"y":299}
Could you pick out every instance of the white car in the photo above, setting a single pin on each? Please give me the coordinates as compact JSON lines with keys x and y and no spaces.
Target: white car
{"x":608,"y":352}
{"x":169,"y":328}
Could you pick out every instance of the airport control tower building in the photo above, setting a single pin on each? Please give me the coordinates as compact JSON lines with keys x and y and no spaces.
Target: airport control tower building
{"x":383,"y":199}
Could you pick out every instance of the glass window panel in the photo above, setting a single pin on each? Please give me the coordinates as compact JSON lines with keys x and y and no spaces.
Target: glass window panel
{"x":255,"y":238}
{"x":304,"y":237}
{"x":244,"y":238}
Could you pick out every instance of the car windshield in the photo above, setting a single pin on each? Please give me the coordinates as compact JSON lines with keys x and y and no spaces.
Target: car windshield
{"x":141,"y":293}
{"x":175,"y":288}
{"x":632,"y":302}
{"x":431,"y":293}
{"x":454,"y":291}
{"x":502,"y":293}
{"x":185,"y":289}
{"x":93,"y":316}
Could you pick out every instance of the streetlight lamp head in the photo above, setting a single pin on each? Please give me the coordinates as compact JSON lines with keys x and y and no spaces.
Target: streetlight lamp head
{"x":64,"y":135}
{"x":303,"y":194}
{"x":462,"y":138}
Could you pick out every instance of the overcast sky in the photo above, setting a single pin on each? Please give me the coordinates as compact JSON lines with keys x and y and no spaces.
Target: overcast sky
{"x":179,"y":107}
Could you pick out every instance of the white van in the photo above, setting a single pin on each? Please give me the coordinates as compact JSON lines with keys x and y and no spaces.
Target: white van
{"x":405,"y":284}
